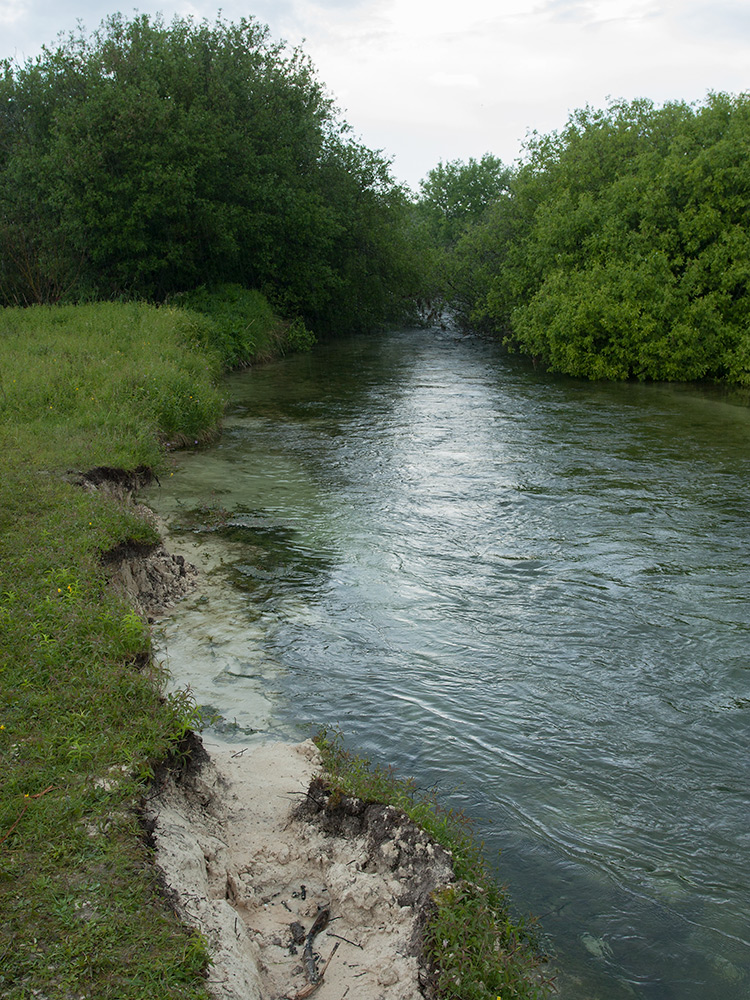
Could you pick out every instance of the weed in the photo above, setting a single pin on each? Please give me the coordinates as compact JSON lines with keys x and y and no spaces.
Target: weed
{"x":476,"y":949}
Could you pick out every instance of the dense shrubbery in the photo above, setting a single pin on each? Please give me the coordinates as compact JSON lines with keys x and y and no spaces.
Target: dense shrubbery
{"x":148,"y":160}
{"x":240,"y":324}
{"x":621,"y":248}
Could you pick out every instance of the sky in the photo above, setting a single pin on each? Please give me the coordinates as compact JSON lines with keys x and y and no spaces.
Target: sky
{"x":428,"y":81}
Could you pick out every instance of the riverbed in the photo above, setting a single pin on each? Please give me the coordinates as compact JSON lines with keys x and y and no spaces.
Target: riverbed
{"x":528,"y":592}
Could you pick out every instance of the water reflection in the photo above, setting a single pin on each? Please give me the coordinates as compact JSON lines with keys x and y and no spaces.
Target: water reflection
{"x":530,"y":592}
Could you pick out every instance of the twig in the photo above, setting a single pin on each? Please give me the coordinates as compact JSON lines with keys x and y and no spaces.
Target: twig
{"x":26,"y":806}
{"x":342,"y":938}
{"x":309,"y":990}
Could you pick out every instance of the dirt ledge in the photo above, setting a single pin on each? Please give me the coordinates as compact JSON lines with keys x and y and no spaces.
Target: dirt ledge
{"x":252,"y":846}
{"x":150,"y":577}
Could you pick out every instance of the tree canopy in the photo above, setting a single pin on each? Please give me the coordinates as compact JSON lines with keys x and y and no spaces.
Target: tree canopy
{"x":620,"y":248}
{"x":149,"y":159}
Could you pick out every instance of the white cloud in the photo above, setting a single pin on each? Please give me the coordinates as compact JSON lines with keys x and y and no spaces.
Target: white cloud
{"x":428,"y":79}
{"x":12,"y":12}
{"x":461,"y":81}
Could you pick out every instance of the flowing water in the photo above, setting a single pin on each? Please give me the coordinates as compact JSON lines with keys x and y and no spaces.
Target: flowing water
{"x":529,"y":592}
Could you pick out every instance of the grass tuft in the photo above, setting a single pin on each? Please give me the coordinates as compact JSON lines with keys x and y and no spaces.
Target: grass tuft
{"x":475,"y":947}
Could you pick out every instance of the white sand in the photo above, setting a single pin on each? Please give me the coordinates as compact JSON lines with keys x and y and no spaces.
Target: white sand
{"x":243,"y":869}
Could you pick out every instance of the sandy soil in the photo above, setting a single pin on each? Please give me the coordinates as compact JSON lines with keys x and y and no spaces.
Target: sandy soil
{"x":254,"y":852}
{"x":251,"y":848}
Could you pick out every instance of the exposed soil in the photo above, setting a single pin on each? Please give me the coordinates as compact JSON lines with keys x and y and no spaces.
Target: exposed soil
{"x":253,"y":848}
{"x":151,"y":578}
{"x":257,"y":854}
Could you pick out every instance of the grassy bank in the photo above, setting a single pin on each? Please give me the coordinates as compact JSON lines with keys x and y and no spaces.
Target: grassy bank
{"x":82,"y":725}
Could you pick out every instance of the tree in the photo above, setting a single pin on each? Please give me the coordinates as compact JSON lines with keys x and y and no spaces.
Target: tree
{"x":455,"y":195}
{"x":149,"y":159}
{"x":619,"y":249}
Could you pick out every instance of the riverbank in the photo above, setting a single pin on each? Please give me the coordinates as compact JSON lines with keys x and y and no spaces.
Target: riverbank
{"x":251,"y":857}
{"x":87,"y":738}
{"x":250,"y":846}
{"x":83,"y":723}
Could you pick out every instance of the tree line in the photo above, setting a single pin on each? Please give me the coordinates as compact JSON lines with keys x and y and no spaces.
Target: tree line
{"x":151,"y":159}
{"x":617,"y":248}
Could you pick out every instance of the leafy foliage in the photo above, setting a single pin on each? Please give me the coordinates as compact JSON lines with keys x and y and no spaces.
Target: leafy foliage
{"x":454,"y":198}
{"x":150,"y":159}
{"x":240,"y":324}
{"x":455,"y":195}
{"x":620,"y":249}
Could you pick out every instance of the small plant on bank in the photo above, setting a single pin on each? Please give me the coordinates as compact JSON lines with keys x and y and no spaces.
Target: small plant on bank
{"x":475,"y":948}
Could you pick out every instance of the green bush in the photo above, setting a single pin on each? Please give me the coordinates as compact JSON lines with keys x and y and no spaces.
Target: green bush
{"x":240,"y":324}
{"x":621,"y":249}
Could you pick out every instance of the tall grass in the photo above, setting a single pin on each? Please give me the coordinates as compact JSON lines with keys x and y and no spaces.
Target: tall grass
{"x":105,"y":384}
{"x":241,"y":324}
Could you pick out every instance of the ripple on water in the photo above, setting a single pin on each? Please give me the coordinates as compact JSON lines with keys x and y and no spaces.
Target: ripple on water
{"x":529,"y":592}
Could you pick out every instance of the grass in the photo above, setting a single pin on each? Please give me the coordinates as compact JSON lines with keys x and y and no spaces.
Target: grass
{"x":102,"y":384}
{"x":82,"y":720}
{"x":476,"y":948}
{"x":242,"y":324}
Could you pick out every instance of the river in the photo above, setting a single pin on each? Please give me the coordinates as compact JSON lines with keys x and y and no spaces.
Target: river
{"x":530,"y":593}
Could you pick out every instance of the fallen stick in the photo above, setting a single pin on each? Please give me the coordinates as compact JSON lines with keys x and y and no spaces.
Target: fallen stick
{"x":309,"y":990}
{"x":26,"y":806}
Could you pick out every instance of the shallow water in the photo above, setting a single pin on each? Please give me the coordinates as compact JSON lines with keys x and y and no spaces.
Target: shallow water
{"x":528,"y":592}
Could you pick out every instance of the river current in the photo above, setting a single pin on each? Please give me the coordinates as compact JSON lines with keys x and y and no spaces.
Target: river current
{"x":528,"y":592}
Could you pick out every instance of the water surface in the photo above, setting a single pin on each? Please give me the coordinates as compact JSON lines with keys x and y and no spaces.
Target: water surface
{"x":529,"y":592}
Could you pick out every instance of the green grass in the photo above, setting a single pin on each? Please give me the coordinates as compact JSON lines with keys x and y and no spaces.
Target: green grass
{"x":82,"y":722}
{"x":477,"y":949}
{"x":242,"y":325}
{"x":103,"y":384}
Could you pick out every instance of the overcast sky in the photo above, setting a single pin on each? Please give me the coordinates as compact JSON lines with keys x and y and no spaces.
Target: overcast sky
{"x":432,"y":80}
